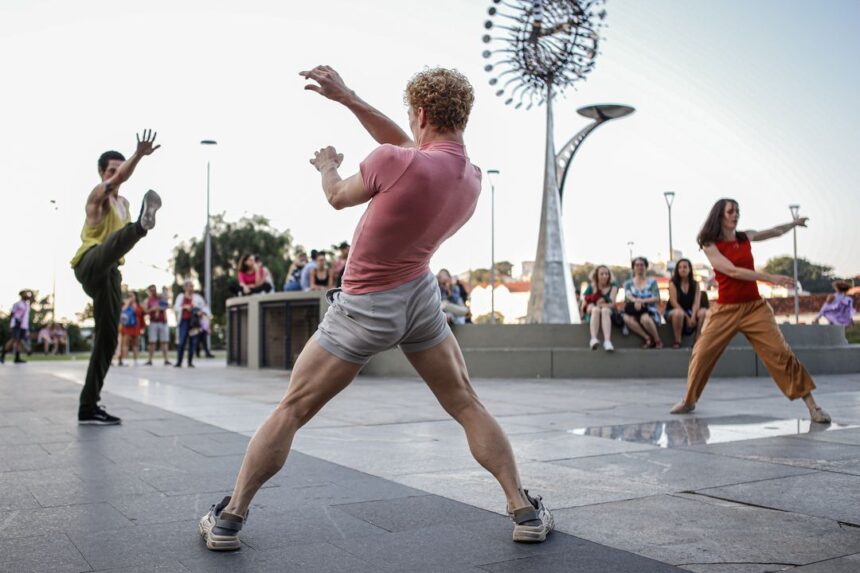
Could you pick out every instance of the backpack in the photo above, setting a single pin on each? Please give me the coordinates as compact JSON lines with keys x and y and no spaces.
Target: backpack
{"x":128,"y":317}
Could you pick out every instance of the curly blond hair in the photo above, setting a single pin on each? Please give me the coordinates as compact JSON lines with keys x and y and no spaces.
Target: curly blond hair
{"x":446,"y":96}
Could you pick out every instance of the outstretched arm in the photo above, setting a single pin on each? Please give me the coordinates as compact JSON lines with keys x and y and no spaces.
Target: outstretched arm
{"x":380,"y":126}
{"x":725,"y":266}
{"x":340,"y":193}
{"x":109,"y":187}
{"x":776,"y":231}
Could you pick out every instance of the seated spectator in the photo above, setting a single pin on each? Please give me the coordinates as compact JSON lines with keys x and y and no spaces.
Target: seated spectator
{"x":45,"y":337}
{"x":60,"y":337}
{"x":598,"y":307}
{"x":251,"y":279}
{"x":839,"y":307}
{"x":294,"y":274}
{"x":684,"y":311}
{"x":309,"y":268}
{"x":453,"y":303}
{"x":264,"y":274}
{"x":340,"y":263}
{"x":640,"y":309}
{"x":322,"y":277}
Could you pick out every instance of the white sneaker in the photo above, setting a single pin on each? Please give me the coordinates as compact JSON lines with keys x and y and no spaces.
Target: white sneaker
{"x":594,"y":343}
{"x":607,"y":346}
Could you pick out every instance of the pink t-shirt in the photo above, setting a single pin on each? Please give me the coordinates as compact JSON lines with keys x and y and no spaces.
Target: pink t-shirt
{"x":420,"y":198}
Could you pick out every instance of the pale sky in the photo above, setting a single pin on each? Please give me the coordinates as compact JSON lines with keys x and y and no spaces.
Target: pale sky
{"x":752,"y":99}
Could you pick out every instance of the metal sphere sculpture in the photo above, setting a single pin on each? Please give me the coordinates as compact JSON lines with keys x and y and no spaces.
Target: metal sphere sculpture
{"x":541,"y":45}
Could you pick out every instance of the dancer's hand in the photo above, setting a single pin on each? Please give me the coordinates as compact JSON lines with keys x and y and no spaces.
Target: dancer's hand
{"x":326,"y":157}
{"x":145,"y":144}
{"x":331,"y":85}
{"x":782,"y":280}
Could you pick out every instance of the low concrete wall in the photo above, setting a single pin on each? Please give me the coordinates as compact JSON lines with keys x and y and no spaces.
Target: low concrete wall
{"x":539,"y":350}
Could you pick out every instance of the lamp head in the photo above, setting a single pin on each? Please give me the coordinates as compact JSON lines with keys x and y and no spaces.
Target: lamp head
{"x":670,"y":197}
{"x":795,"y":209}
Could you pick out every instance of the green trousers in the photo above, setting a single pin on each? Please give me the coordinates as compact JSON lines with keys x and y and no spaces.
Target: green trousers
{"x":98,"y":272}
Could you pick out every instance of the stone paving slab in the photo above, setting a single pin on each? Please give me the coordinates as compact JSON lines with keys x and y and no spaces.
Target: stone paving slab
{"x":823,"y":494}
{"x":127,"y":499}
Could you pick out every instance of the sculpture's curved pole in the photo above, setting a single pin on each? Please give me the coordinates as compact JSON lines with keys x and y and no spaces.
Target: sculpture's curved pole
{"x":565,"y":156}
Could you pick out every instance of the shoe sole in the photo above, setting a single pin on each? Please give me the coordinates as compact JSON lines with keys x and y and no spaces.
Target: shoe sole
{"x":216,"y":542}
{"x":98,"y":423}
{"x":151,"y":204}
{"x":529,"y":534}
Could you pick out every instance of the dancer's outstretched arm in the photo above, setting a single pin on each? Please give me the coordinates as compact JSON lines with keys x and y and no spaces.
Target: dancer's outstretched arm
{"x":380,"y":126}
{"x":110,"y":186}
{"x":339,"y":192}
{"x":776,"y":231}
{"x":725,"y":266}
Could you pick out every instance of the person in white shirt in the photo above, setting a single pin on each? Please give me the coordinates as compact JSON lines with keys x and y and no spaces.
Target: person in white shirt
{"x":19,"y":326}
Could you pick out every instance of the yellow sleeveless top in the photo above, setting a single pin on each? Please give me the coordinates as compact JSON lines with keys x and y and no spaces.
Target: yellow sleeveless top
{"x":92,"y":235}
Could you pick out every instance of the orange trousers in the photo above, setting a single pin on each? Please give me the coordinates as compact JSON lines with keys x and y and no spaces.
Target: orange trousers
{"x":756,"y":321}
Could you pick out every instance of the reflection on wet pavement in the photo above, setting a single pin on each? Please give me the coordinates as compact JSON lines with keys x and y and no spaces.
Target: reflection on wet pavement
{"x":692,"y":431}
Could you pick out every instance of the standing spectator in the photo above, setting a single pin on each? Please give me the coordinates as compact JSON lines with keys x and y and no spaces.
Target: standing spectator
{"x":264,"y":275}
{"x":205,"y":330}
{"x":598,"y":306}
{"x":453,"y":303}
{"x":294,"y":274}
{"x":19,"y":326}
{"x":839,"y":307}
{"x":131,"y":321}
{"x":46,"y":338}
{"x":684,"y":311}
{"x":187,"y":307}
{"x":322,"y":277}
{"x":309,"y":268}
{"x":340,"y":263}
{"x":157,"y":332}
{"x":642,"y":294}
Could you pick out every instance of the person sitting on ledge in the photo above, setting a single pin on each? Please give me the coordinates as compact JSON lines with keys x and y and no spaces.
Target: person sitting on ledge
{"x":839,"y":307}
{"x":685,"y":310}
{"x":598,"y":306}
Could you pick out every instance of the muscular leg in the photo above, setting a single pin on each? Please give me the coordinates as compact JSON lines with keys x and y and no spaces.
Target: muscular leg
{"x":317,"y":377}
{"x":107,"y":304}
{"x":444,"y":370}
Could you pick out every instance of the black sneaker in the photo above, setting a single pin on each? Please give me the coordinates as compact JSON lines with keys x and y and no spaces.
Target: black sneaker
{"x":97,"y":417}
{"x":532,"y":524}
{"x":220,"y":529}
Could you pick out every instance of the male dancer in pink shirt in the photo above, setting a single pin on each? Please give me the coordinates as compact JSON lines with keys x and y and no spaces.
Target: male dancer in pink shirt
{"x":420,"y":192}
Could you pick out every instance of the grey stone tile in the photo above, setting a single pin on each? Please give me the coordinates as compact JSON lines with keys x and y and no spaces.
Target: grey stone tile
{"x":671,"y":470}
{"x":143,"y":545}
{"x":366,"y":488}
{"x":789,"y":451}
{"x":690,"y":530}
{"x":555,"y":445}
{"x":849,"y":436}
{"x":560,"y":486}
{"x":589,"y":558}
{"x":91,"y":486}
{"x":54,"y":520}
{"x":174,"y":567}
{"x":822,"y":494}
{"x":470,"y":544}
{"x":848,"y":564}
{"x":403,"y":514}
{"x":297,"y":558}
{"x":48,"y":553}
{"x":15,"y":495}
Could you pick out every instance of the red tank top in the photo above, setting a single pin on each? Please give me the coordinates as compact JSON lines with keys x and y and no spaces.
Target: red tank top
{"x":734,"y":291}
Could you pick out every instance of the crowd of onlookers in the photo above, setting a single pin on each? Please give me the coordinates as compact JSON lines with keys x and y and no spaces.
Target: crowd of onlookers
{"x":149,"y":317}
{"x":52,"y":336}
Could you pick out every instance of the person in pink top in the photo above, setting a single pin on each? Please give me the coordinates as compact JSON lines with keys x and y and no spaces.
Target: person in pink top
{"x":419,"y":191}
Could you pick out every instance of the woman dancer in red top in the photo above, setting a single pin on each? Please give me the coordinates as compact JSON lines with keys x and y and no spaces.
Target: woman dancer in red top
{"x":739,"y":308}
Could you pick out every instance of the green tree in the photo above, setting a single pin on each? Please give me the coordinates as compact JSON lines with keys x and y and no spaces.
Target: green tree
{"x":813,"y":277}
{"x":503,"y":273}
{"x":230,"y":240}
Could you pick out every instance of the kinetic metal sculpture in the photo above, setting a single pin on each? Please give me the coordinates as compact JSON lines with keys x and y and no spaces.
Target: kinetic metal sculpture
{"x":545,"y":46}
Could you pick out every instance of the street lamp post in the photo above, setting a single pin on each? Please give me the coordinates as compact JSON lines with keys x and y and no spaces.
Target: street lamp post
{"x":54,"y":272}
{"x":207,"y":245}
{"x":630,"y":248}
{"x":795,"y":209}
{"x":492,"y":245}
{"x":670,"y":197}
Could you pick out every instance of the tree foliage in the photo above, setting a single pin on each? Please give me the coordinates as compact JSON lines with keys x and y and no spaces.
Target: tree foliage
{"x":503,"y":272}
{"x":812,"y":276}
{"x":230,"y":240}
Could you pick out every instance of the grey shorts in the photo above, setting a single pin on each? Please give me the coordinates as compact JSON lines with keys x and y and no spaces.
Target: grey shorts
{"x":157,"y":332}
{"x":357,"y":326}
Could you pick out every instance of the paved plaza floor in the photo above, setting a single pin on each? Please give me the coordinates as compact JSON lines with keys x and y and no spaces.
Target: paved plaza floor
{"x":382,"y":481}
